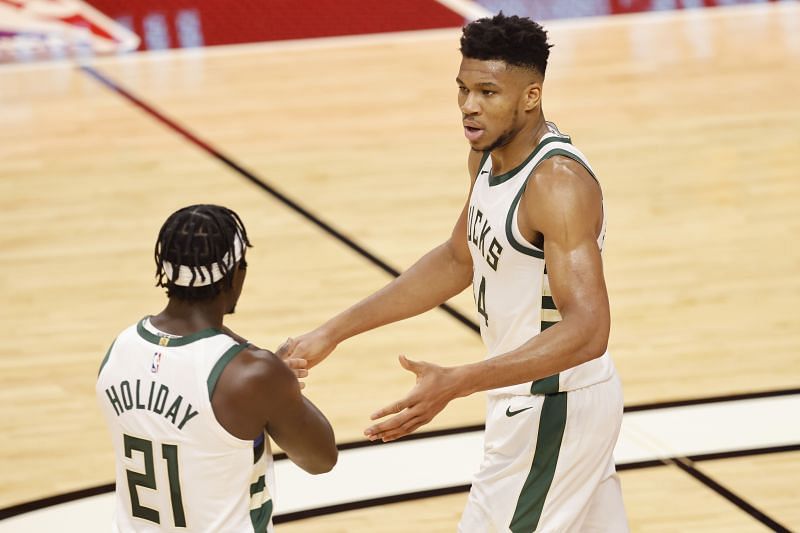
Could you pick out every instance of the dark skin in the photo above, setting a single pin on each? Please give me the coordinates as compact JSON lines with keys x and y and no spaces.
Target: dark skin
{"x":560,"y":211}
{"x":258,"y":389}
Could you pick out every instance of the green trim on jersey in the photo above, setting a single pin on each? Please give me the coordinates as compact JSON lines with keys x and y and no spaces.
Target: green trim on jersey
{"x":577,"y":159}
{"x":497,"y":180}
{"x":220,"y":365}
{"x":548,"y":385}
{"x":105,"y":359}
{"x":535,"y":252}
{"x":531,"y":500}
{"x":527,"y":248}
{"x":174,"y":341}
{"x":484,"y":157}
{"x":260,"y":517}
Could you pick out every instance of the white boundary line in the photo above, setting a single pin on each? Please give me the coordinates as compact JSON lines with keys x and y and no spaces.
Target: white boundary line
{"x":406,"y":467}
{"x":466,"y":8}
{"x":416,"y":36}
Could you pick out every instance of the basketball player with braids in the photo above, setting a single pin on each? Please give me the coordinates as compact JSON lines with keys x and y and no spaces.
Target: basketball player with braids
{"x":189,"y":404}
{"x":529,"y":239}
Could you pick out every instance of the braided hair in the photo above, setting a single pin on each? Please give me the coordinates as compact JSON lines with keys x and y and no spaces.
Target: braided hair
{"x":202,"y":238}
{"x":518,"y":41}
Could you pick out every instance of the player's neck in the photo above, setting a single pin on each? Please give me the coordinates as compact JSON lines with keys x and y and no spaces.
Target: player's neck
{"x":182,"y":318}
{"x":513,"y":153}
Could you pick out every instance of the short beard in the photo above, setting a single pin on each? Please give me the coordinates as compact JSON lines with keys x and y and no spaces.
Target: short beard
{"x":501,"y":141}
{"x":506,"y":136}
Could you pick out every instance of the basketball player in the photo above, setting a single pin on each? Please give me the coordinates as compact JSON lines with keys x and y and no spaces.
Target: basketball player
{"x":189,"y":403}
{"x":529,"y":239}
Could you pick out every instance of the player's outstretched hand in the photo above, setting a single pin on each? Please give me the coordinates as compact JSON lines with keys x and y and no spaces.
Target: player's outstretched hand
{"x":313,"y":347}
{"x":298,"y":366}
{"x":433,"y":391}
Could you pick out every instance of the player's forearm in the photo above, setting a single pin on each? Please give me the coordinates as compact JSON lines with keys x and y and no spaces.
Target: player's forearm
{"x":315,"y":450}
{"x":562,"y":346}
{"x":431,"y":281}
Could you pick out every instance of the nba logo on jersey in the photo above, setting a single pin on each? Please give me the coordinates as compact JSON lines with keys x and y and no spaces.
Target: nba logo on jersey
{"x":156,"y":362}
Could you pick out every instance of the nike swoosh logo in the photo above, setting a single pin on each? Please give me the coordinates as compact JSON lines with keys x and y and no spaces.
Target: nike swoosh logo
{"x":510,"y":413}
{"x":484,"y":171}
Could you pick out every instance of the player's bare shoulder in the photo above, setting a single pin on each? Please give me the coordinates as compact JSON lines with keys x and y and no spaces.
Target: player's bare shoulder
{"x":560,"y":175}
{"x":561,"y":191}
{"x":259,"y":372}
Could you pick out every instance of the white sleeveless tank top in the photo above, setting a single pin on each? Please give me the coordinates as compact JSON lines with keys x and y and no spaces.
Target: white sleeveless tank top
{"x":177,"y":468}
{"x":510,"y":283}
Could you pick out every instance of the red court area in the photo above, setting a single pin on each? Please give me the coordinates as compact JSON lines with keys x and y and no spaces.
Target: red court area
{"x":44,"y":29}
{"x":187,"y":23}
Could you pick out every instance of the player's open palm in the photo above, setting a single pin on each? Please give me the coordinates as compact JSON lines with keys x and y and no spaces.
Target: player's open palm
{"x":433,"y":391}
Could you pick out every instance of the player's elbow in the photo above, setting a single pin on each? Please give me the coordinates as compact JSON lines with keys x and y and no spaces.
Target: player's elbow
{"x":323,"y":462}
{"x":597,"y":342}
{"x":329,"y":460}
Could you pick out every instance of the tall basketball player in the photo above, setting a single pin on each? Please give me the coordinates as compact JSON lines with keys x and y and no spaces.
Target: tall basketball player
{"x":189,"y":403}
{"x":529,"y":239}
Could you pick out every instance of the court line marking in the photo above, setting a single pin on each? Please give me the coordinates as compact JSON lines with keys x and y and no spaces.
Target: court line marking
{"x":411,"y":36}
{"x":224,"y":159}
{"x":351,"y":40}
{"x":412,"y":469}
{"x":266,"y":187}
{"x":466,"y":8}
{"x":729,"y":495}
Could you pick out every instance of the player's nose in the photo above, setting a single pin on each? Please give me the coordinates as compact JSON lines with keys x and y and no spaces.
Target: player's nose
{"x":470,"y":105}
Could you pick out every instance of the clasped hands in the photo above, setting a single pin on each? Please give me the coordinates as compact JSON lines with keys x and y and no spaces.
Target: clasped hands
{"x":432,"y":392}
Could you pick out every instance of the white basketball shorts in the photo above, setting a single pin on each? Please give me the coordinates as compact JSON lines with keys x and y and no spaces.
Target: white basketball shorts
{"x":548,"y":464}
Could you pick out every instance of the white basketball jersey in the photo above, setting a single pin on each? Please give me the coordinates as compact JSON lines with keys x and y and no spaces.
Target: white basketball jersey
{"x":510,"y":284}
{"x":177,"y":468}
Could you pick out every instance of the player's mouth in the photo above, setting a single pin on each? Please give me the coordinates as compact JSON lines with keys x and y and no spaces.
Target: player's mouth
{"x":472,"y":133}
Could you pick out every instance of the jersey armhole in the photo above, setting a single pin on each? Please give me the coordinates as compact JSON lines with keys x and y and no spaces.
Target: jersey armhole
{"x":211,"y":383}
{"x":105,"y":359}
{"x":219,"y":366}
{"x":513,"y":233}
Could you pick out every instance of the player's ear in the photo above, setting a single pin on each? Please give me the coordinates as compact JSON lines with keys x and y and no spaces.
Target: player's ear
{"x":533,"y":95}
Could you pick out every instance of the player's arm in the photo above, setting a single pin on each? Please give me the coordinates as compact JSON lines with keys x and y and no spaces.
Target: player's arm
{"x":563,"y":203}
{"x":258,"y":390}
{"x":438,"y":276}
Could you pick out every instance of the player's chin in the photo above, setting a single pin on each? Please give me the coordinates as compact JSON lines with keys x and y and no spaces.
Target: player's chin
{"x":480,"y":145}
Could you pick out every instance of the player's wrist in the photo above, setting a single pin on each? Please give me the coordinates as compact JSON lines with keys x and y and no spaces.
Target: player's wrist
{"x":330,"y":334}
{"x":463,"y":380}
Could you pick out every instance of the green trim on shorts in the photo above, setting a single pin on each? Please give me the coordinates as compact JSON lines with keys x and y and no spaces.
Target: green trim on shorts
{"x":531,"y":500}
{"x":548,"y":385}
{"x":220,"y":365}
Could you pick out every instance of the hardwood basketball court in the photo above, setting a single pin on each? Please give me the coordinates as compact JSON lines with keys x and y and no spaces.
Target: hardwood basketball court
{"x":346,"y":160}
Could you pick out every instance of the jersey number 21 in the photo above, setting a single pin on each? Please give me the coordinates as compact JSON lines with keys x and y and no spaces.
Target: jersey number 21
{"x":169,"y":452}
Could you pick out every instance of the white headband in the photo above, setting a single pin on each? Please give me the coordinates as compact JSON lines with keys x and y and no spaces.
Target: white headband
{"x":204,"y":274}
